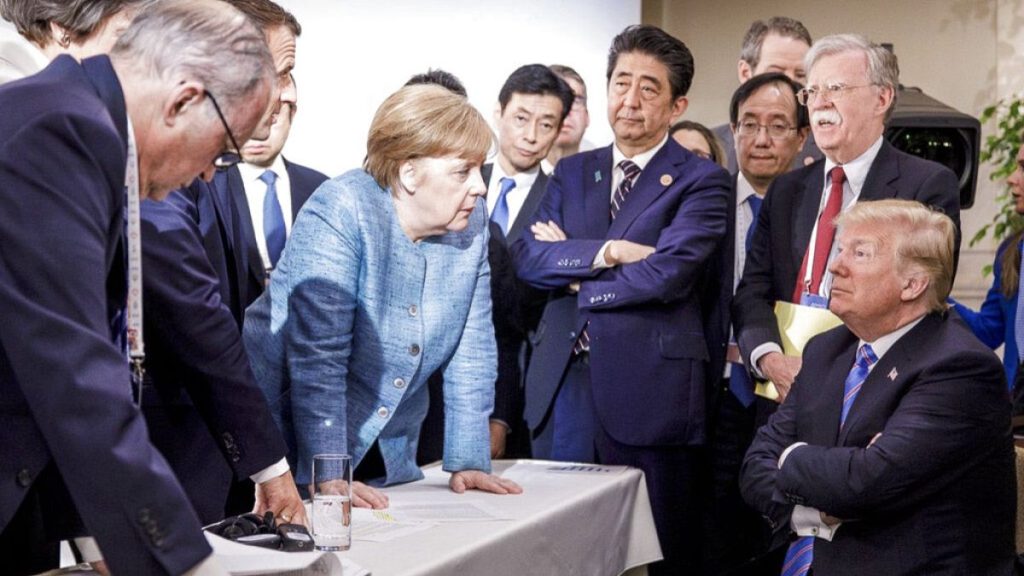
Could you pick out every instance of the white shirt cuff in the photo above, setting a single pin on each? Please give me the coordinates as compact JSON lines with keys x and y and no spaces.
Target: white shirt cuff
{"x":760,"y":351}
{"x":806,"y":521}
{"x":599,"y":261}
{"x":788,"y":450}
{"x":89,"y":549}
{"x":270,"y":472}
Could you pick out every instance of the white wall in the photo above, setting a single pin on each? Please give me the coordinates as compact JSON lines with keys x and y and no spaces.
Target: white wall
{"x":353,"y":54}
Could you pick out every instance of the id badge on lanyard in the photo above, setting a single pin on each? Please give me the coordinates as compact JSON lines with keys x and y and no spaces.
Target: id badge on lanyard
{"x":813,"y":300}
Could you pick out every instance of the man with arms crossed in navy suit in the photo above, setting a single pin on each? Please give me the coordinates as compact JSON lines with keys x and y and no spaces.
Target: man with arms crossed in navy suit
{"x":623,"y":236}
{"x":75,"y":453}
{"x":892,"y":454}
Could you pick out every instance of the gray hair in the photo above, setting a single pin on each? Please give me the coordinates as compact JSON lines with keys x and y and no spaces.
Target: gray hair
{"x":210,"y":42}
{"x":883,"y":69}
{"x":80,"y":18}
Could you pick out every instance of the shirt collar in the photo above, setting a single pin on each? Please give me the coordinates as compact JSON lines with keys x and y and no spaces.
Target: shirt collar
{"x":882,"y":345}
{"x":743,"y":189}
{"x":641,"y":159}
{"x":857,"y":169}
{"x":524,"y":180}
{"x":251,"y":173}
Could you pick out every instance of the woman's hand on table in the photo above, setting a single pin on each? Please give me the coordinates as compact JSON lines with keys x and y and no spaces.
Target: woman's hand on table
{"x":478,"y":480}
{"x":364,"y":496}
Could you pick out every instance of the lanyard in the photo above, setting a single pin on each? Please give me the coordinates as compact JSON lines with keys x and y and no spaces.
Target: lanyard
{"x":136,"y":346}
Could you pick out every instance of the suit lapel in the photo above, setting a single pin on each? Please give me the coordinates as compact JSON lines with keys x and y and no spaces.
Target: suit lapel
{"x":659,"y":174}
{"x":806,"y":208}
{"x":889,"y":375}
{"x":884,"y":170}
{"x":533,"y":198}
{"x":833,"y":391}
{"x":597,"y":192}
{"x":246,"y":234}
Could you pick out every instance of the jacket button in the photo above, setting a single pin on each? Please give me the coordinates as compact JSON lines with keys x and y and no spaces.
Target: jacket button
{"x":24,"y":478}
{"x":413,"y":310}
{"x":383,"y":412}
{"x":399,"y":383}
{"x":414,"y":350}
{"x":144,"y":516}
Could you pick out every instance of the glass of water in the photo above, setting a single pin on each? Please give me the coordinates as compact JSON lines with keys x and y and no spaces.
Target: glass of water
{"x":332,"y":501}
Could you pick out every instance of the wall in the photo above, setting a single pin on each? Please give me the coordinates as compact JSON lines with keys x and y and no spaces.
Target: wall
{"x":965,"y":53}
{"x":353,"y":54}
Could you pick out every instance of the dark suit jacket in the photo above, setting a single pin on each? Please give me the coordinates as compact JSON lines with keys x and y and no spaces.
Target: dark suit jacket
{"x":303,"y":182}
{"x":647,"y":339}
{"x":934,"y":494}
{"x":716,"y":293}
{"x":204,"y":409}
{"x":64,"y":387}
{"x":786,"y":221}
{"x":516,"y":305}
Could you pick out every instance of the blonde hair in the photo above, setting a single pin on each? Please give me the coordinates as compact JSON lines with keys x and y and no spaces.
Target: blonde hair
{"x":423,"y":121}
{"x":922,"y":240}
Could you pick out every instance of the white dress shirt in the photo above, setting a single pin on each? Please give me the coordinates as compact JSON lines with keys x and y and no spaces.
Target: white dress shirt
{"x":516,"y":197}
{"x":256,"y":191}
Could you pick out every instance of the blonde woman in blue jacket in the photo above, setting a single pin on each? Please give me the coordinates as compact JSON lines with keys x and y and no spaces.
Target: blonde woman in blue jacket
{"x":385,"y":280}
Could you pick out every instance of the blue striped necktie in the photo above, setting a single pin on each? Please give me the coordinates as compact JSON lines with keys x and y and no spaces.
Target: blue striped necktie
{"x":500,"y":214}
{"x":801,"y":553}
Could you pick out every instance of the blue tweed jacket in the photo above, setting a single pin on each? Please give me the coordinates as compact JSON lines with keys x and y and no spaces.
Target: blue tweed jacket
{"x":356,"y":319}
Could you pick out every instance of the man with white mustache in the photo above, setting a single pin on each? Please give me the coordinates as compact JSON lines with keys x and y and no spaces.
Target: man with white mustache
{"x":851,"y":92}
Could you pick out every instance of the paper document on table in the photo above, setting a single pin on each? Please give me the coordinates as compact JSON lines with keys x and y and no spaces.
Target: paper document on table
{"x":461,"y":511}
{"x":241,"y":560}
{"x":379,"y":526}
{"x":797,"y":325}
{"x":591,"y":468}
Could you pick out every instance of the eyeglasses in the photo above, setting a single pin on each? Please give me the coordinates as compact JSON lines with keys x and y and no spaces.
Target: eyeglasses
{"x":830,"y":92}
{"x":775,"y":130}
{"x":225,"y":160}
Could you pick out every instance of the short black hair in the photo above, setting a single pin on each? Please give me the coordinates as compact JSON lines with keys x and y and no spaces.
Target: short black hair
{"x":661,"y":45}
{"x":441,"y":78}
{"x":540,"y":80}
{"x":747,"y":89}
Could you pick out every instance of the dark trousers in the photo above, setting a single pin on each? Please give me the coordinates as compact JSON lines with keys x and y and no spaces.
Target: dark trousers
{"x":30,"y":543}
{"x":568,"y":432}
{"x":736,"y":537}
{"x":673,"y":475}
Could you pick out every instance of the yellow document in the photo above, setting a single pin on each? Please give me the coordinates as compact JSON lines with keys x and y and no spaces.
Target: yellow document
{"x":797,"y":324}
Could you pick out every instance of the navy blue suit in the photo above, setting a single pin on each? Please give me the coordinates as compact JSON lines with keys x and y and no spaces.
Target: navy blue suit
{"x":205,"y":412}
{"x":71,"y":431}
{"x":934,"y":494}
{"x":648,"y":353}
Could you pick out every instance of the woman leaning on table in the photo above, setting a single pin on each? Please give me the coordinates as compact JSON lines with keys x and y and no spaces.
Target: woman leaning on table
{"x":385,"y":280}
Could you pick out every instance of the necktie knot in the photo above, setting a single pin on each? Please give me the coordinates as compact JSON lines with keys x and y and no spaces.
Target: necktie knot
{"x":268,"y":177}
{"x":629,"y":169}
{"x":838,"y":176}
{"x":866,"y":356}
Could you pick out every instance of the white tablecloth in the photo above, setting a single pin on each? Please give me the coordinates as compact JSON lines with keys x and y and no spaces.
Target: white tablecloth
{"x":585,"y":523}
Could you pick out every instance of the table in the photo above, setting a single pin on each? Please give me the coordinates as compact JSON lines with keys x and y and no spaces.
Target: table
{"x":586,"y":523}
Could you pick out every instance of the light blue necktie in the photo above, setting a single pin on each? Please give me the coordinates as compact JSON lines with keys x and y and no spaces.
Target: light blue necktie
{"x":273,"y":219}
{"x":801,"y":553}
{"x":500,"y":215}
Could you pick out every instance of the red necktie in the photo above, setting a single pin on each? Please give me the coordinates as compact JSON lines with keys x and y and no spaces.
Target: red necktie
{"x":823,"y":240}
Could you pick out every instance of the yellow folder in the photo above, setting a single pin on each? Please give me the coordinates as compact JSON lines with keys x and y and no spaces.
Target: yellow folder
{"x":797,"y":324}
